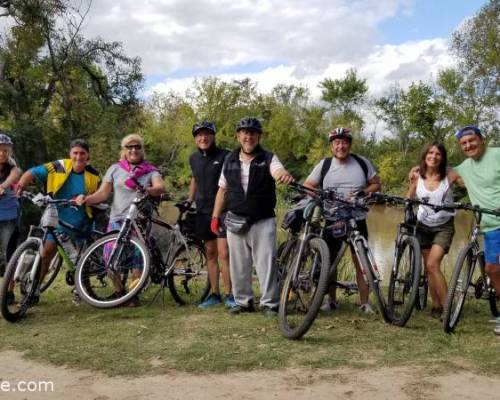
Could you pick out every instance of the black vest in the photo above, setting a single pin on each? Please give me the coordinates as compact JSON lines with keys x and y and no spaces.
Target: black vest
{"x":206,"y":167}
{"x":260,"y":199}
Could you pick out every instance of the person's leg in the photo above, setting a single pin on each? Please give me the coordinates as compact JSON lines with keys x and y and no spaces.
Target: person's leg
{"x":240,"y":264}
{"x":432,"y":291}
{"x":6,"y":230}
{"x":363,"y":288}
{"x":48,"y":252}
{"x":212,"y":266}
{"x":491,"y":254}
{"x":437,"y":282}
{"x":262,"y":237}
{"x":223,"y":251}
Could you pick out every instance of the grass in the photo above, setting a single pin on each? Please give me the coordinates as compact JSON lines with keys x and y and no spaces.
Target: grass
{"x":153,"y":339}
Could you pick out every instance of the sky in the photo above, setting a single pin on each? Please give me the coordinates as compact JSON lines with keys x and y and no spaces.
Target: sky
{"x":287,"y":41}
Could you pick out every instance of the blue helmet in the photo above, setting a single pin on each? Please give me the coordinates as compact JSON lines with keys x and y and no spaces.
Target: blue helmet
{"x":252,"y":124}
{"x":204,"y":125}
{"x":468,"y":130}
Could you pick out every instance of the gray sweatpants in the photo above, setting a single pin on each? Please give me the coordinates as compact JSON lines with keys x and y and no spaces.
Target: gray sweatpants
{"x":256,"y":247}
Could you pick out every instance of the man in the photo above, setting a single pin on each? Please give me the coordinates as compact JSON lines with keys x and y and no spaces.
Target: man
{"x":347,"y":173}
{"x":65,"y":179}
{"x":206,"y":166}
{"x":480,"y":173}
{"x":247,"y":189}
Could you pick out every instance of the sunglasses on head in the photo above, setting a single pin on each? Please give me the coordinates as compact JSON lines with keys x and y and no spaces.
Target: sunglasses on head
{"x":133,"y":147}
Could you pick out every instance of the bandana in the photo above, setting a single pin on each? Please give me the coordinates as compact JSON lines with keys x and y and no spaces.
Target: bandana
{"x":135,"y":172}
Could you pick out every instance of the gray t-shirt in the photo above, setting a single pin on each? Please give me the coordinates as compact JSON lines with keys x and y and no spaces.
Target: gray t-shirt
{"x":123,"y":196}
{"x":345,"y":177}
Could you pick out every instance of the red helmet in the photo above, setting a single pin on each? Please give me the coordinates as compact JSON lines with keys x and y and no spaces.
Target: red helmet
{"x":340,"y":133}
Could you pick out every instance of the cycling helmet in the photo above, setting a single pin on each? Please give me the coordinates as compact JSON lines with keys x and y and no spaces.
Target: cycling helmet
{"x":4,"y":139}
{"x":204,"y":125}
{"x":340,"y":133}
{"x":468,"y":130}
{"x":252,"y":124}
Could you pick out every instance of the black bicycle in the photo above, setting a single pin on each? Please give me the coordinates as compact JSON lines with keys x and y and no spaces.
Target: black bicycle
{"x":469,"y":272}
{"x":119,"y":266}
{"x":22,"y":277}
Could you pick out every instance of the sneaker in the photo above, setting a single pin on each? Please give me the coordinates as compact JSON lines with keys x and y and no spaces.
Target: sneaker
{"x":133,"y":302}
{"x":437,"y":312}
{"x":76,"y":300}
{"x":496,"y":330}
{"x":238,"y":309}
{"x":329,"y":308}
{"x":10,"y":298}
{"x":495,"y":321}
{"x":229,"y":302}
{"x":270,"y":312}
{"x":212,"y":300}
{"x":366,"y":309}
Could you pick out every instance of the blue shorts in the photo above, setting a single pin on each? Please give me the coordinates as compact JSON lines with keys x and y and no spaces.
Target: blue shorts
{"x":492,"y":246}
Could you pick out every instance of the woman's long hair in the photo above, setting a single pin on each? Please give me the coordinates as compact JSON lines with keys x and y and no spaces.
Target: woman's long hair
{"x":444,"y":160}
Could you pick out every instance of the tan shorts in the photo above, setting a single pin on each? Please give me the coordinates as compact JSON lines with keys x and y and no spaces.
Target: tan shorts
{"x":442,"y":235}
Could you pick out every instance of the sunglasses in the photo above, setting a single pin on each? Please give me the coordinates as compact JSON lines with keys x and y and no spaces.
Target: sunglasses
{"x":133,"y":147}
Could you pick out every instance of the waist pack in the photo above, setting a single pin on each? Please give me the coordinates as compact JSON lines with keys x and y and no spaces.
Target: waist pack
{"x":237,"y":223}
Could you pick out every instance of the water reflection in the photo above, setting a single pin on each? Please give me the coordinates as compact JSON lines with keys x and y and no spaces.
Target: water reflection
{"x":382,"y":226}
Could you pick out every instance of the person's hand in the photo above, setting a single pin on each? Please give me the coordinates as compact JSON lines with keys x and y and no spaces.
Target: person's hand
{"x":414,"y":172}
{"x":286,"y":178}
{"x":79,"y":200}
{"x":2,"y":190}
{"x":215,"y":225}
{"x":19,"y":188}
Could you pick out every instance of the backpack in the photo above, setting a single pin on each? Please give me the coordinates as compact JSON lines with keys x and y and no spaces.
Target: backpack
{"x":327,"y":162}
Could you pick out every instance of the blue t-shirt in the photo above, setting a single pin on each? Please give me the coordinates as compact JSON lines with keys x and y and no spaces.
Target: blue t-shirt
{"x":9,"y":206}
{"x":74,"y":185}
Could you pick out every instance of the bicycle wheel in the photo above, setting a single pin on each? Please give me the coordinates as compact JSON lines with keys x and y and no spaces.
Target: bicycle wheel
{"x":404,"y":281}
{"x":20,"y":281}
{"x":457,"y":290}
{"x":54,"y":268}
{"x":373,"y":282}
{"x":304,"y":289}
{"x":188,"y":281}
{"x":109,"y":273}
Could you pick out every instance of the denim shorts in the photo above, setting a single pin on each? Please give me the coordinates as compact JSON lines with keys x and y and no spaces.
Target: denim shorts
{"x":492,"y":246}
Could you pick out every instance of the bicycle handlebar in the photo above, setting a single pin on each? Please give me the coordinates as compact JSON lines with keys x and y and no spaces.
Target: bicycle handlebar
{"x":42,"y":200}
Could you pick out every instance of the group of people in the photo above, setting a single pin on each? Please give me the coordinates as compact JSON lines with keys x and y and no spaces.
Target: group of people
{"x":235,"y":197}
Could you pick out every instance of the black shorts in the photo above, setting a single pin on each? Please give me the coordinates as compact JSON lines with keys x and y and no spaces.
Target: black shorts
{"x":202,"y":228}
{"x":334,"y":244}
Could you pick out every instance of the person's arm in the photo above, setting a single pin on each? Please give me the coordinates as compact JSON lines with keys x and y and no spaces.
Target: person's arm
{"x":220,"y":199}
{"x":454,"y":177}
{"x":157,"y":186}
{"x":25,"y":180}
{"x":412,"y":188}
{"x":192,"y":190}
{"x":97,"y":197}
{"x":283,"y":176}
{"x":13,"y":177}
{"x":373,"y":185}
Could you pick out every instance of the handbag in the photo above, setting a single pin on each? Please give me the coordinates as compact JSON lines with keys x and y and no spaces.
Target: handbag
{"x":237,"y":223}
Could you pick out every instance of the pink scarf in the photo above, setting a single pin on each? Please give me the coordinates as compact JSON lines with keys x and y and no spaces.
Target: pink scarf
{"x":135,"y":172}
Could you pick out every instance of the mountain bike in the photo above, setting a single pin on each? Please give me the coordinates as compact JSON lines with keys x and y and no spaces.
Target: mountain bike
{"x":22,"y":278}
{"x":119,"y":266}
{"x":469,"y":272}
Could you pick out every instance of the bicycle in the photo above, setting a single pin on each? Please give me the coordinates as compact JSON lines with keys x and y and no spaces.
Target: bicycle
{"x":465,"y":273}
{"x":22,"y":278}
{"x":119,"y":266}
{"x":305,"y":286}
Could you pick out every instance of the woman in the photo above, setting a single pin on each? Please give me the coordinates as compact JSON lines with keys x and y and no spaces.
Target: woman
{"x":432,"y":181}
{"x":121,"y":179}
{"x":9,"y":206}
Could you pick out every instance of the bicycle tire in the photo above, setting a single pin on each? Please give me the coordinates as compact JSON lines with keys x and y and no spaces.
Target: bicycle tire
{"x":457,"y":290}
{"x":304,"y":289}
{"x":188,"y":280}
{"x":54,"y":268}
{"x":97,"y":285}
{"x":404,"y":281}
{"x":26,"y":253}
{"x":373,"y":283}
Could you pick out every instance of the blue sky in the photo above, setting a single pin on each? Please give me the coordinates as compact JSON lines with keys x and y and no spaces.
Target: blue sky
{"x":430,"y":19}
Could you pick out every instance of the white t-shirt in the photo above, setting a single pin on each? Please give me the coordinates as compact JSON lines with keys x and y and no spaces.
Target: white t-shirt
{"x":441,"y":195}
{"x":274,"y":167}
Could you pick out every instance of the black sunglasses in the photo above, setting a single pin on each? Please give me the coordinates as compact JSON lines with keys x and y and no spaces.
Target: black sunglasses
{"x":133,"y":146}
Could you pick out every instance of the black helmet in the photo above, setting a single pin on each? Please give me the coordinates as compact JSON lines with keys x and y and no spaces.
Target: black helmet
{"x":204,"y":125}
{"x":252,"y":124}
{"x":340,"y":133}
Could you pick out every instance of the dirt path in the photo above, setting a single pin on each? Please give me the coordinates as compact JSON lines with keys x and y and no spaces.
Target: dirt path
{"x":296,"y":384}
